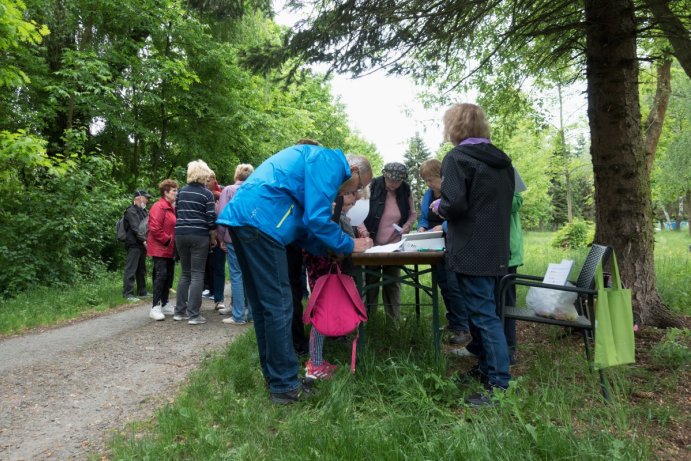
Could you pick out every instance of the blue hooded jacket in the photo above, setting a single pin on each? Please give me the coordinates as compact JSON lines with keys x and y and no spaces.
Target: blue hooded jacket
{"x":289,"y":197}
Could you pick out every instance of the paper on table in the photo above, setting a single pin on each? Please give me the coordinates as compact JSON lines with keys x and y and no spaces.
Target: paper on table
{"x":390,"y":248}
{"x":358,"y":212}
{"x":558,"y":274}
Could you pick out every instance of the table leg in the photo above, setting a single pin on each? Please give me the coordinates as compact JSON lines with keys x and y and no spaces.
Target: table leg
{"x":435,"y":315}
{"x":359,"y":277}
{"x":417,"y":293}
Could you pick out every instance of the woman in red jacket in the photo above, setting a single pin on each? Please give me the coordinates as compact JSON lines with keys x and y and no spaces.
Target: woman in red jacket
{"x":160,"y":245}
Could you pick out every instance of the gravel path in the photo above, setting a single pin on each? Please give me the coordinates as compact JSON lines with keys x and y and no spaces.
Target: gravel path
{"x":64,"y":391}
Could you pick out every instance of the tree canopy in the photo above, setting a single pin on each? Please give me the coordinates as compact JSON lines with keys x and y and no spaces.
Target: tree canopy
{"x":494,"y":47}
{"x":102,"y":97}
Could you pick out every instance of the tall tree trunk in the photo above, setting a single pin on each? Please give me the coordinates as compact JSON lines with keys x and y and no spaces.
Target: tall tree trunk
{"x":656,"y":117}
{"x":60,"y":39}
{"x":674,"y":30}
{"x":624,"y":214}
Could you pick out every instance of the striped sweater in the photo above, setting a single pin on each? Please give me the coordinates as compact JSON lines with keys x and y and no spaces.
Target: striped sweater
{"x":194,"y":207}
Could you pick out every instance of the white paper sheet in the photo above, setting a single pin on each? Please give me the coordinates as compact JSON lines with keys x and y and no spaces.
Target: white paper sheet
{"x":358,"y":212}
{"x":558,"y":274}
{"x":390,"y":248}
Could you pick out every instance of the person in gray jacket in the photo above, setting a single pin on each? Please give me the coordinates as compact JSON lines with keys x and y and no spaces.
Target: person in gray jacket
{"x":135,"y":245}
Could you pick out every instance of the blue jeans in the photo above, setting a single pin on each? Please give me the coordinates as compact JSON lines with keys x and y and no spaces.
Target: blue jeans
{"x":485,"y":324}
{"x":236,"y":286}
{"x":456,"y":314}
{"x":264,"y":267}
{"x":218,"y":264}
{"x":193,"y":250}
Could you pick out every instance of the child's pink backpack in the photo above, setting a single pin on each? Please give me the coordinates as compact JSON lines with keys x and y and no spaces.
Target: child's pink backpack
{"x":335,"y":308}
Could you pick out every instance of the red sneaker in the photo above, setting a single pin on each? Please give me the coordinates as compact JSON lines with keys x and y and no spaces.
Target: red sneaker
{"x":323,"y":371}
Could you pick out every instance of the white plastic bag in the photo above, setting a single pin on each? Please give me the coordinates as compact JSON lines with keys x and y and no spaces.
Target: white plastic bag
{"x":554,"y":304}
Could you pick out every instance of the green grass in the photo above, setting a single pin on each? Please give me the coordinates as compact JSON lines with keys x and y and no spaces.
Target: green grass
{"x":673,"y":269}
{"x":402,"y":404}
{"x":406,"y":404}
{"x":43,"y":306}
{"x":672,"y":264}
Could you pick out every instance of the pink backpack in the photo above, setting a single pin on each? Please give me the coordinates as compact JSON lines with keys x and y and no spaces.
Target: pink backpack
{"x":335,"y":308}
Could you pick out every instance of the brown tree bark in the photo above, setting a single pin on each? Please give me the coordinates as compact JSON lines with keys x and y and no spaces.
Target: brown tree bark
{"x":624,"y":215}
{"x":674,"y":30}
{"x":656,"y":117}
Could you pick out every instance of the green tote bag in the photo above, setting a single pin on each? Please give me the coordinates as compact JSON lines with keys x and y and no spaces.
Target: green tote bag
{"x":614,"y":343}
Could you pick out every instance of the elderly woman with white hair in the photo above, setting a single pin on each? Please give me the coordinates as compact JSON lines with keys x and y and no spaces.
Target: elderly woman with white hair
{"x":195,"y":232}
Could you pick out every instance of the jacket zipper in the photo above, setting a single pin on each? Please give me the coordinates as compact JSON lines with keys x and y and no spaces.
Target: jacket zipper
{"x":285,"y":216}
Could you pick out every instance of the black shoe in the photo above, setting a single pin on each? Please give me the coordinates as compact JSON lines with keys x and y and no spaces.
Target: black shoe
{"x":304,"y":390}
{"x":484,"y":399}
{"x":460,"y":338}
{"x":474,"y":374}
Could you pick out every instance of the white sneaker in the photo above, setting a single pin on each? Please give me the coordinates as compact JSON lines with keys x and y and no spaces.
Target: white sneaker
{"x":168,"y":309}
{"x":232,"y":321}
{"x":225,"y":310}
{"x":156,"y":313}
{"x":205,"y":293}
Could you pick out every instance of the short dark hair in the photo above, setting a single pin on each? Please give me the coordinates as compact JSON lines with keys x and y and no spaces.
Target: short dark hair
{"x":309,"y":141}
{"x":166,"y":185}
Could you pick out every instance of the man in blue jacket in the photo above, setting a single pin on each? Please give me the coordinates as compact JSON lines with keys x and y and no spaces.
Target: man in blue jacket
{"x":288,"y":200}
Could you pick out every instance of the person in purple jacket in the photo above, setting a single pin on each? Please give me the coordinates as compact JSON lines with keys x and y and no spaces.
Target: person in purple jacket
{"x":237,"y":310}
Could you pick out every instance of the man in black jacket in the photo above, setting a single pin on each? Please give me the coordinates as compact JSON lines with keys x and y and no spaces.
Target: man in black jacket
{"x":135,"y":245}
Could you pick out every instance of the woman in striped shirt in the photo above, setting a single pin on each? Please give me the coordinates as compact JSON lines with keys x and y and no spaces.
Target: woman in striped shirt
{"x":195,"y":232}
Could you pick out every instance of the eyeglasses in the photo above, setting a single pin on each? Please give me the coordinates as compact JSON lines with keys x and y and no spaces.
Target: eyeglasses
{"x":360,"y":189}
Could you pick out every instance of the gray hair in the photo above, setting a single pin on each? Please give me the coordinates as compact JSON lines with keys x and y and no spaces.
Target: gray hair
{"x":359,"y":162}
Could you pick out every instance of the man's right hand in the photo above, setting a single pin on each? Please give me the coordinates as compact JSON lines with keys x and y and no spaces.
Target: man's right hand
{"x":362,"y":244}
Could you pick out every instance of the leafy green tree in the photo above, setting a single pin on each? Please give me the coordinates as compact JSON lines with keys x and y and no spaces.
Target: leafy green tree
{"x":415,"y":154}
{"x":521,"y":39}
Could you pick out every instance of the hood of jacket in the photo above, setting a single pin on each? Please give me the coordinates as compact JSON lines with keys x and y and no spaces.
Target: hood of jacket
{"x":488,"y":154}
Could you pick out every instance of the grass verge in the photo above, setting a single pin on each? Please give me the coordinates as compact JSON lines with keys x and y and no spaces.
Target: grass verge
{"x":406,"y":404}
{"x":45,"y":306}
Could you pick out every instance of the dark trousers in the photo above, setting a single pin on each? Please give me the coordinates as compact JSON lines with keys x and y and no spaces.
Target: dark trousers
{"x":456,"y":313}
{"x":209,"y":274}
{"x":193,"y":250}
{"x":294,"y":256}
{"x":135,"y":267}
{"x":475,"y":345}
{"x":163,"y":274}
{"x":486,"y":327}
{"x":218,"y":269}
{"x":264,"y":267}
